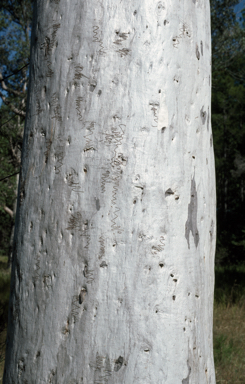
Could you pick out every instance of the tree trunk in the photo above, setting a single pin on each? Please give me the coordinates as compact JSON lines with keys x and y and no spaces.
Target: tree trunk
{"x":113,"y":265}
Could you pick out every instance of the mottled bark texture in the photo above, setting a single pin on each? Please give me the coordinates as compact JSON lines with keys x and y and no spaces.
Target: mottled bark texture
{"x":113,"y":270}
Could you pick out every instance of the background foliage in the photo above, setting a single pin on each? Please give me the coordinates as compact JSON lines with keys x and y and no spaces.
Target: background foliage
{"x":228,"y":123}
{"x":15,"y":29}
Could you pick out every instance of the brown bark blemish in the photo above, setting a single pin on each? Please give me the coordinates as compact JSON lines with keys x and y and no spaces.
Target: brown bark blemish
{"x":197,"y":52}
{"x":118,"y":363}
{"x":169,"y":192}
{"x":82,"y":295}
{"x":103,"y":264}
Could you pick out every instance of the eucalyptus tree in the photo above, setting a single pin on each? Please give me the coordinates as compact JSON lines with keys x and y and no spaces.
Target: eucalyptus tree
{"x":112,"y":277}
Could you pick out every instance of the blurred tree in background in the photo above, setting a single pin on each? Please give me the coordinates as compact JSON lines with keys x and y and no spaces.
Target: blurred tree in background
{"x":228,"y":123}
{"x":228,"y":117}
{"x":15,"y":29}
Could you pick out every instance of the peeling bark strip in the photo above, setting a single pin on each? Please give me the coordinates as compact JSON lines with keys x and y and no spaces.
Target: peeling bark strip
{"x":115,"y":229}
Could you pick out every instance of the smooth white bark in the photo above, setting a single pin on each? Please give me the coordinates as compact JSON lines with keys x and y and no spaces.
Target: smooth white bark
{"x":113,"y":270}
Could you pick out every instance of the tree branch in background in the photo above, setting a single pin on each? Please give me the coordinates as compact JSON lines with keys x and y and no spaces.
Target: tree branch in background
{"x":12,"y":107}
{"x":16,"y":152}
{"x":16,"y":173}
{"x":6,"y":122}
{"x":7,"y":89}
{"x":9,"y":211}
{"x":15,"y":72}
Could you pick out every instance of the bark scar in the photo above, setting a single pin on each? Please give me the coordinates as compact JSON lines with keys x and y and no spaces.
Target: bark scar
{"x":191,"y":222}
{"x":186,"y":381}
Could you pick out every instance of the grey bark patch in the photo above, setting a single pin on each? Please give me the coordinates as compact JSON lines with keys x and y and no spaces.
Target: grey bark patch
{"x":118,"y":364}
{"x":21,"y":366}
{"x":82,"y":295}
{"x":169,"y":192}
{"x":107,"y":368}
{"x":51,"y":376}
{"x":97,"y":204}
{"x":208,"y":120}
{"x":201,"y":44}
{"x":197,"y":52}
{"x":203,"y":115}
{"x":186,"y":381}
{"x":211,"y":140}
{"x":92,"y":86}
{"x":160,"y":7}
{"x":64,"y":362}
{"x":191,"y":222}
